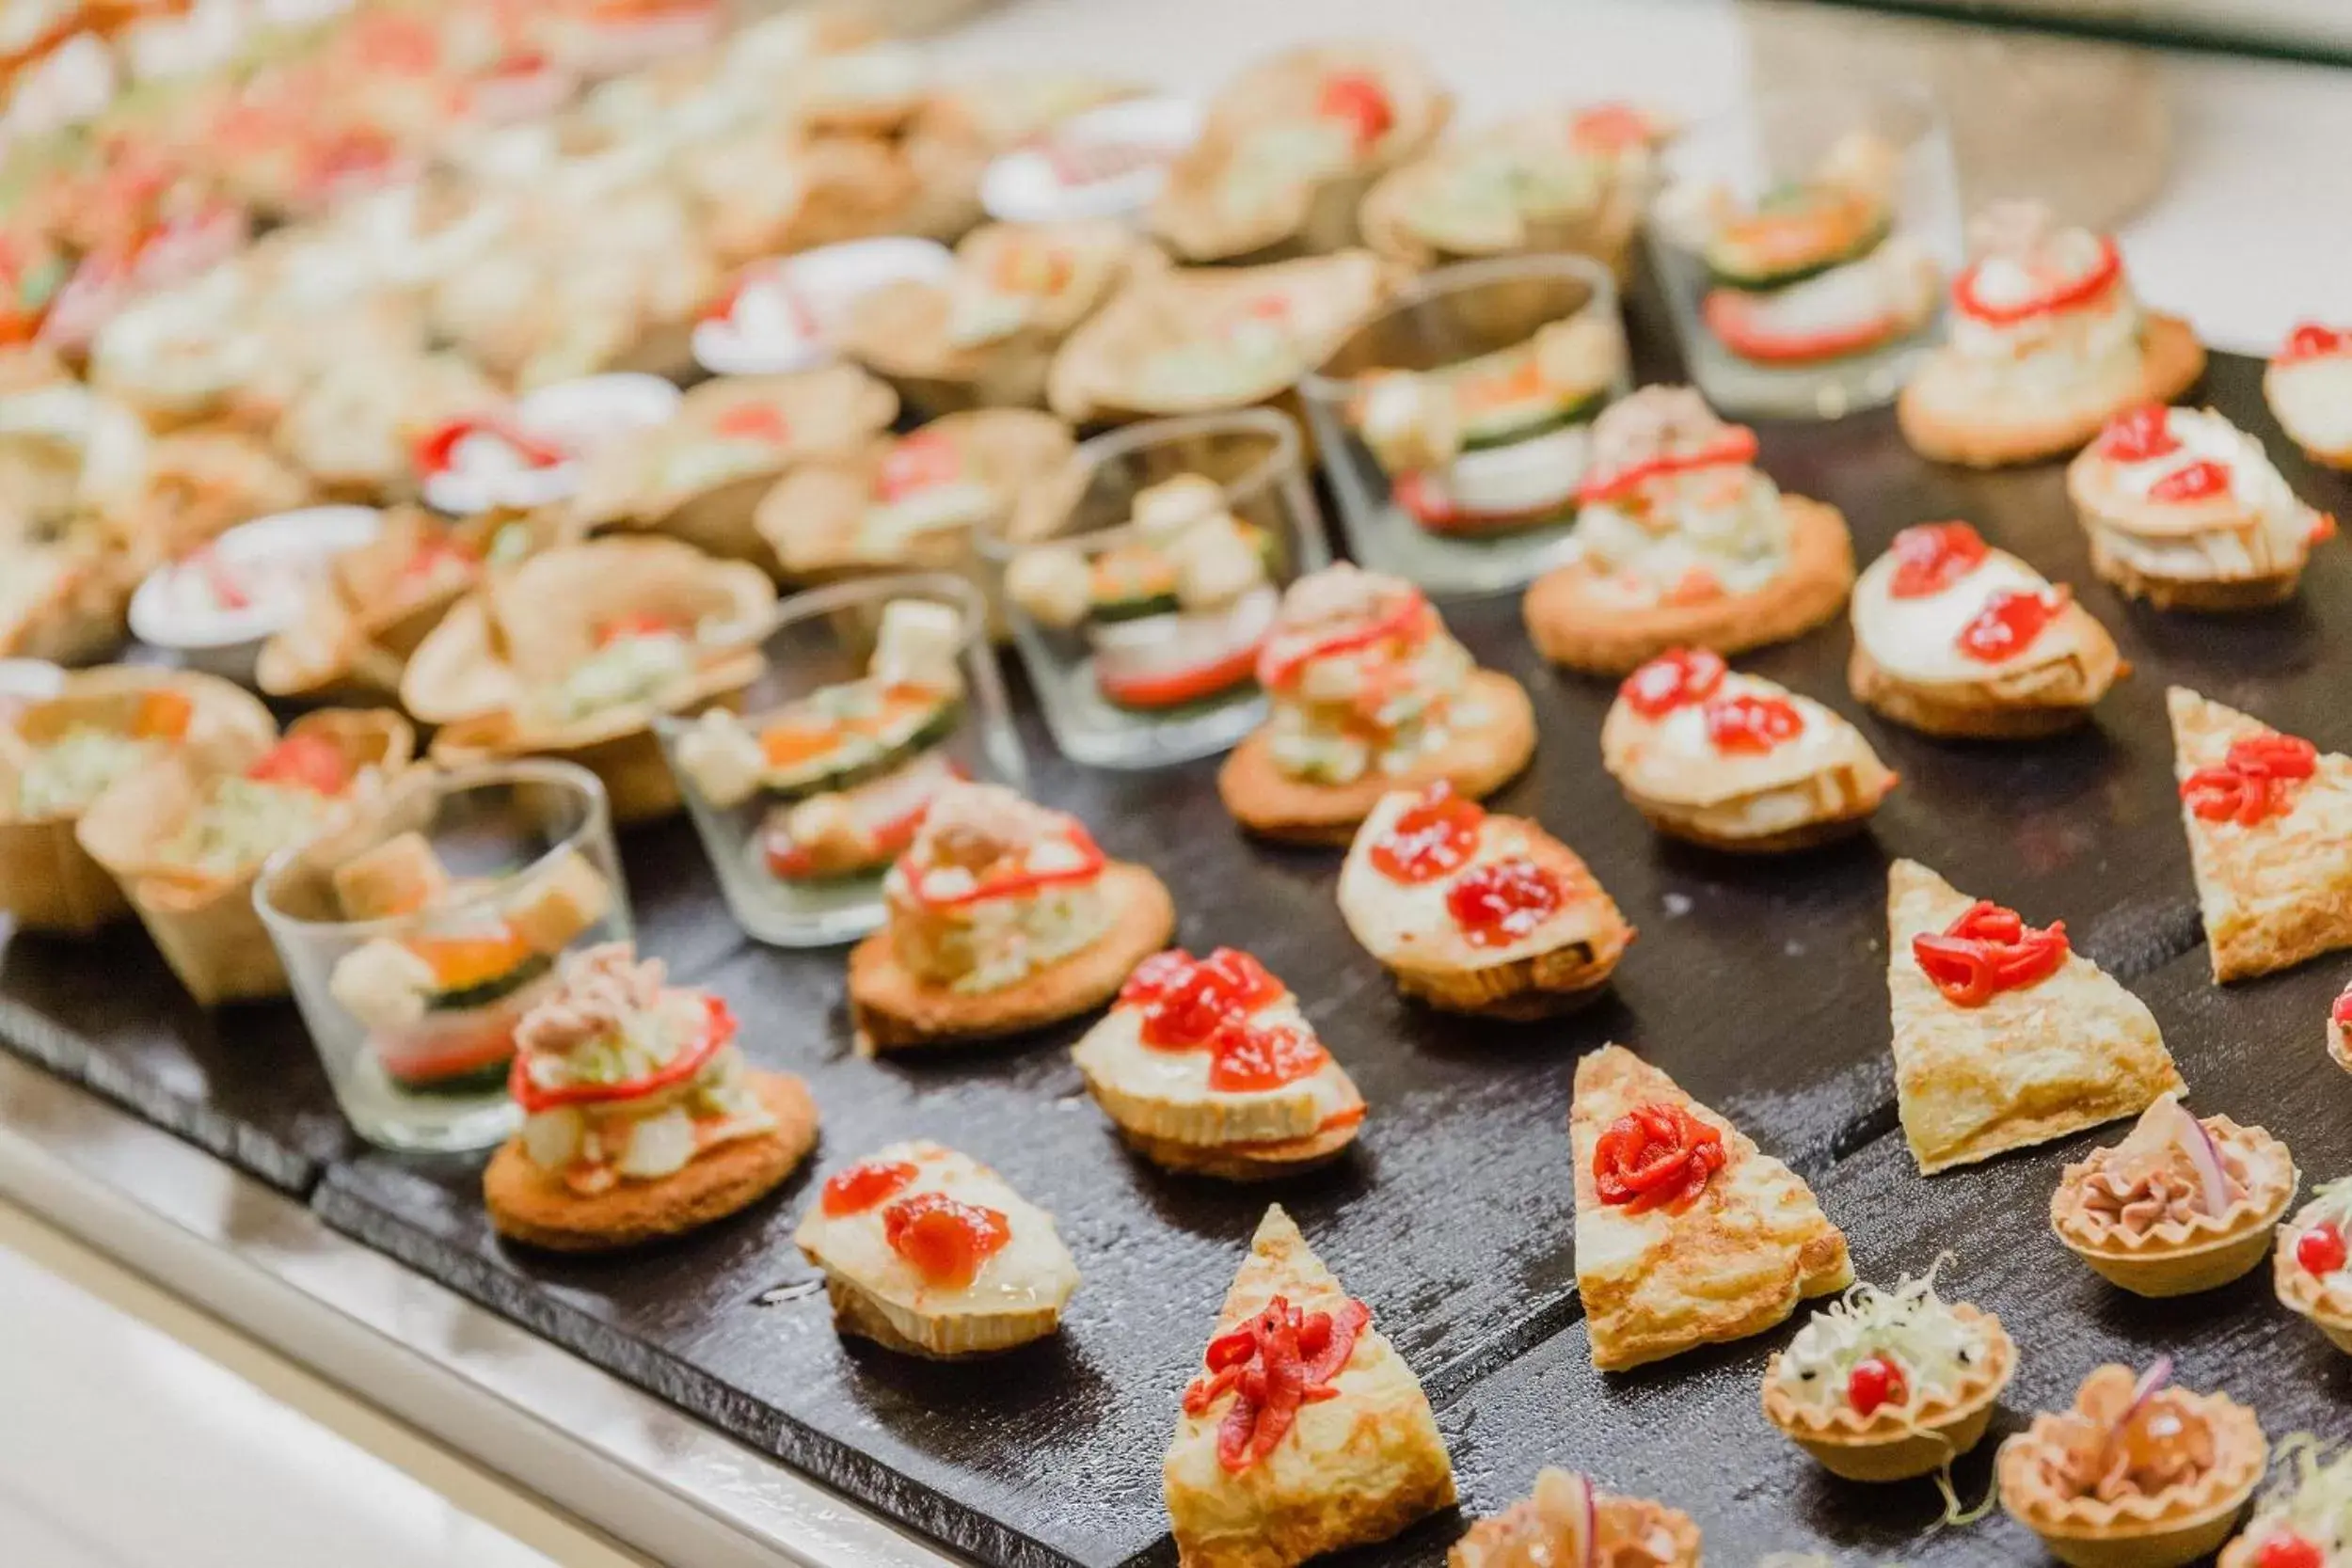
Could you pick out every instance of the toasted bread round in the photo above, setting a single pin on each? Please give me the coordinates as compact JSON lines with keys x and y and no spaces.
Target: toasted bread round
{"x":2170,"y":361}
{"x":2053,"y":698}
{"x":529,"y":1205}
{"x":2202,"y":593}
{"x":1571,"y":627}
{"x":1543,"y":985}
{"x":893,"y":1009}
{"x":1258,"y":1161}
{"x":1270,"y":802}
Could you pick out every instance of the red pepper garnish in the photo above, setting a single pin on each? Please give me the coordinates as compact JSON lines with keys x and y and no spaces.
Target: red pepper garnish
{"x":2065,"y":296}
{"x":1286,"y":654}
{"x":2310,"y":340}
{"x":2251,"y":785}
{"x":1736,"y":445}
{"x":860,"y":1187}
{"x":1244,"y":1058}
{"x":1610,"y":128}
{"x":2342,"y":1011}
{"x":434,"y":453}
{"x":922,"y":461}
{"x":944,"y":1240}
{"x":1654,"y":1157}
{"x":754,"y":421}
{"x":765,"y":276}
{"x":2321,"y":1249}
{"x":1498,"y":904}
{"x":1433,"y":836}
{"x":2287,"y":1549}
{"x":644,"y":624}
{"x":1752,"y":724}
{"x":310,"y":762}
{"x":2010,"y":622}
{"x":1672,"y":679}
{"x":1359,"y":99}
{"x":1272,"y":1364}
{"x":2199,"y":481}
{"x":2138,"y":436}
{"x":1185,"y":1000}
{"x":1987,"y":950}
{"x":789,"y":861}
{"x":1930,"y":557}
{"x":1012,"y":884}
{"x":718,"y":1031}
{"x":435,"y":552}
{"x":1875,"y":1380}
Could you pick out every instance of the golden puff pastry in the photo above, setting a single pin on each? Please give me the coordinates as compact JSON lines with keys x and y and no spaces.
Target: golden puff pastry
{"x":1356,"y":1465}
{"x":1716,"y":1246}
{"x":2269,"y":820}
{"x":2054,"y":1046}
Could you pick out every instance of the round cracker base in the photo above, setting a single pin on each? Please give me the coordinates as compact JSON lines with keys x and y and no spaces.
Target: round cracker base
{"x":1544,"y":985}
{"x":891,"y":1009}
{"x":1246,"y":1163}
{"x":528,"y":1206}
{"x":1811,"y":835}
{"x":1914,"y":708}
{"x":2172,"y":362}
{"x":1569,"y":628}
{"x":1270,"y":803}
{"x":2213,"y":595}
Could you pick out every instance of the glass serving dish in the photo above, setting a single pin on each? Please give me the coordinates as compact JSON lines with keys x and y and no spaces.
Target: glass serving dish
{"x":1454,"y":426}
{"x":878,"y":690}
{"x":413,"y":1005}
{"x":1139,"y":596}
{"x":1807,"y":246}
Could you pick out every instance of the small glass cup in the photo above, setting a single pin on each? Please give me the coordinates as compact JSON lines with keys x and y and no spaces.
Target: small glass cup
{"x":826,"y":638}
{"x":1780,"y":142}
{"x":1256,"y":456}
{"x":1446,"y":318}
{"x":508,"y":833}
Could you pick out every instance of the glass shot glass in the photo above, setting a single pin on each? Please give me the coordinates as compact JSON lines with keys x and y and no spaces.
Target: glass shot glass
{"x":878,"y":691}
{"x":1806,"y":246}
{"x":1461,"y":473}
{"x":414,"y":1012}
{"x":1139,"y":606}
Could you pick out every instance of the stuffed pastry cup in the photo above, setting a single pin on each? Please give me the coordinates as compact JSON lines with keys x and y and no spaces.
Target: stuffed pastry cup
{"x":1568,"y":1519}
{"x":699,"y":477}
{"x":2308,"y":388}
{"x":641,"y":1118}
{"x":1370,"y":694}
{"x":2299,"y":1522}
{"x":573,"y":653}
{"x":1208,"y":1067}
{"x":2311,"y":1270}
{"x":1479,"y":914}
{"x":2138,"y":1473}
{"x":1004,"y":917}
{"x":2048,"y":342}
{"x":62,"y":601}
{"x":917,"y":500}
{"x":984,"y":336}
{"x":1737,"y":761}
{"x":2185,"y":511}
{"x":1890,"y":1384}
{"x":1681,"y":541}
{"x":355,"y":426}
{"x":1954,"y":638}
{"x":2183,"y":1204}
{"x":61,"y":755}
{"x":928,"y":1252}
{"x":187,"y":844}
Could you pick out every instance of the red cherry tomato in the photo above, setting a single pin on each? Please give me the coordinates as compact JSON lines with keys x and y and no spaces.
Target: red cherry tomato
{"x":2320,"y":1250}
{"x":1673,"y":678}
{"x":2140,"y":435}
{"x":1874,"y":1383}
{"x":1752,"y":724}
{"x":1359,"y":101}
{"x":946,"y":1241}
{"x":2200,"y":481}
{"x":1930,"y":557}
{"x":2289,"y":1550}
{"x":860,"y":1187}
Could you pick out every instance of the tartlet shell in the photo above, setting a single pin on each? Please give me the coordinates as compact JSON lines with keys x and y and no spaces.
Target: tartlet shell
{"x":1887,"y":1445}
{"x":2214,"y":1252}
{"x":2298,"y":1293}
{"x":2143,"y":1533}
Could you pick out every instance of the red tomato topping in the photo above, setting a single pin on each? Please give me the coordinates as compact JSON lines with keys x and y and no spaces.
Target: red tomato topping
{"x":1930,"y":557}
{"x":923,"y":460}
{"x":1673,"y":678}
{"x":1359,"y":99}
{"x":2320,"y":1250}
{"x":860,"y":1187}
{"x":2342,"y":1011}
{"x":2140,"y":435}
{"x":1734,"y":446}
{"x":1874,"y":1381}
{"x":1273,"y":1364}
{"x":1655,"y":1157}
{"x":2253,"y":784}
{"x":1752,"y":724}
{"x":2064,"y":296}
{"x":946,"y":1241}
{"x":1497,"y":905}
{"x":306,"y":761}
{"x":1185,"y":1000}
{"x":1245,"y":1058}
{"x":2010,"y":622}
{"x":2289,"y":1550}
{"x":1435,"y":834}
{"x":2200,"y":481}
{"x":754,"y":421}
{"x":1987,"y":950}
{"x":2310,"y":340}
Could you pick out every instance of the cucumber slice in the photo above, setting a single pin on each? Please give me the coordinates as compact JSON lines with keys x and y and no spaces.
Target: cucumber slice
{"x":1796,"y":236}
{"x":1131,"y":582}
{"x":868,"y":753}
{"x":1508,"y":426}
{"x":486,"y":1079}
{"x":481,"y":993}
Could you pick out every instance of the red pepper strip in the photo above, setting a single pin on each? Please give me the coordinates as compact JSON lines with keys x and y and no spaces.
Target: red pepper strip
{"x":1654,"y":1156}
{"x":1987,"y":950}
{"x":2065,"y":296}
{"x":1273,"y":1364}
{"x":1015,"y":885}
{"x":534,"y":1096}
{"x":1736,"y":445}
{"x":2310,"y":340}
{"x":434,"y":453}
{"x":1735,"y":319}
{"x":2251,"y":783}
{"x":1178,"y":687}
{"x":1287,"y":652}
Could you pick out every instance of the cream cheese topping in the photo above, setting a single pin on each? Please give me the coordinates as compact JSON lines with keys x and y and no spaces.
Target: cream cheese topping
{"x":2313,"y":399}
{"x":1399,"y":922}
{"x":1917,"y":640}
{"x":1032,"y":1271}
{"x":1114,"y":1055}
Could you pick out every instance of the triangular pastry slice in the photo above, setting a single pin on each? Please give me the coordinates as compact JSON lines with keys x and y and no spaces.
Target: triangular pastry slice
{"x":1686,"y":1233}
{"x":2003,"y":1036}
{"x":2269,"y":820}
{"x":1269,"y":1483}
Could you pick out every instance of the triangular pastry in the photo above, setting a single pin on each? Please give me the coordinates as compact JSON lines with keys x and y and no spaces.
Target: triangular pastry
{"x":1686,"y":1233}
{"x":2003,"y":1036}
{"x":1265,"y":1482}
{"x":2269,"y":820}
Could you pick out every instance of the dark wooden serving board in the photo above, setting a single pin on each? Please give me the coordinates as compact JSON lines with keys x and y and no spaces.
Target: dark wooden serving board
{"x":1759,"y":985}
